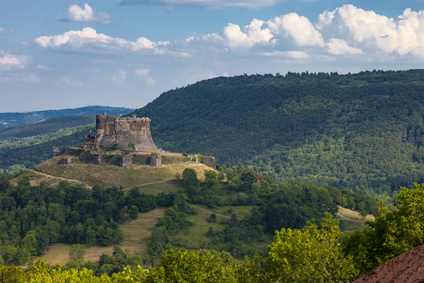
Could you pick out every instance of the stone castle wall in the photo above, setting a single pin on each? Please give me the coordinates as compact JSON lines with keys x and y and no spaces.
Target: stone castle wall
{"x":94,"y":157}
{"x":124,"y":133}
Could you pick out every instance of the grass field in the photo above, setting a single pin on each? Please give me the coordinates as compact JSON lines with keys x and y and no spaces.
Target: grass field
{"x":136,"y":233}
{"x":163,"y":187}
{"x":352,"y":215}
{"x":107,"y":175}
{"x":351,"y":220}
{"x":195,"y":236}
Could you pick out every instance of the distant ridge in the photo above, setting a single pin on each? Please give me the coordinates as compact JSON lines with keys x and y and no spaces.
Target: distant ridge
{"x":30,"y":142}
{"x":10,"y":119}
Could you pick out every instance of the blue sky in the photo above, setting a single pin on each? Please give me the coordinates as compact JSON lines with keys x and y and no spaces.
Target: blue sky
{"x":66,"y":54}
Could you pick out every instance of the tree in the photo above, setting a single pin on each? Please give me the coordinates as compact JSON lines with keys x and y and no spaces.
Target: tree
{"x":210,"y":178}
{"x":189,"y":178}
{"x":181,"y":265}
{"x":133,"y":212}
{"x":248,"y":178}
{"x":77,"y":253}
{"x":90,"y":236}
{"x":311,"y":254}
{"x":29,"y":242}
{"x":392,"y":233}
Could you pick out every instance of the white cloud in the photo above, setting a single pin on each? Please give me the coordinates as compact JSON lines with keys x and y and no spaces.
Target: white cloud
{"x":89,"y":39}
{"x":252,"y":34}
{"x":374,"y":32}
{"x":277,"y":30}
{"x":296,"y":27}
{"x":340,"y":47}
{"x":145,"y":75}
{"x":299,"y":55}
{"x":4,"y":30}
{"x":119,"y":77}
{"x":10,"y":61}
{"x":206,"y":3}
{"x":77,"y":14}
{"x":347,"y":30}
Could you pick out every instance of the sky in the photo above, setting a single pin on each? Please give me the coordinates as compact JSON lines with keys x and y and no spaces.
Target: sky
{"x":57,"y":54}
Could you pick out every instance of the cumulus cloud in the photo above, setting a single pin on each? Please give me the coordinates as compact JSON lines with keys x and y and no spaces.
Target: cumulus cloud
{"x":290,"y":27}
{"x":89,"y":39}
{"x":77,"y":14}
{"x":10,"y":61}
{"x":340,"y":47}
{"x":254,"y":33}
{"x":371,"y":31}
{"x":145,"y":75}
{"x":207,"y":3}
{"x":347,"y":30}
{"x":296,"y":27}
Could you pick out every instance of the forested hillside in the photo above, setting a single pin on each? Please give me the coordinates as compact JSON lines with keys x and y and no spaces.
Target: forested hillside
{"x":11,"y":119}
{"x":360,"y":130}
{"x":24,"y":146}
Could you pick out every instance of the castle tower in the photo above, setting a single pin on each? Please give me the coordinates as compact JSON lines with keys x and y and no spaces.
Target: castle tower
{"x":101,"y":124}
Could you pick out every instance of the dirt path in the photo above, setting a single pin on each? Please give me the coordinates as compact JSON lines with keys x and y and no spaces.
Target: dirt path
{"x":210,"y":212}
{"x":59,"y":178}
{"x":90,"y":187}
{"x":150,"y":183}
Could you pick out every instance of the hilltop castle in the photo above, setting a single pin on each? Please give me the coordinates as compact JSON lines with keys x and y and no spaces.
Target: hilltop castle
{"x":124,"y":133}
{"x":124,"y":141}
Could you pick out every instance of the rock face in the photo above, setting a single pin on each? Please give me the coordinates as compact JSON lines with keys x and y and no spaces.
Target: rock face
{"x":408,"y":267}
{"x":124,"y":133}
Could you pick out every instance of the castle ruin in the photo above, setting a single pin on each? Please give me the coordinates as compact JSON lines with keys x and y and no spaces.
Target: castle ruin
{"x":124,"y":141}
{"x":124,"y":133}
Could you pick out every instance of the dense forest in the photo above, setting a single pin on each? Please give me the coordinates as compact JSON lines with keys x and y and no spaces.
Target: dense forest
{"x":353,"y":131}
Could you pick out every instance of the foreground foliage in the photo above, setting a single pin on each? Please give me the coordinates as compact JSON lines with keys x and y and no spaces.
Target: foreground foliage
{"x":287,"y":262}
{"x":311,"y":254}
{"x":392,"y":233}
{"x":315,"y":253}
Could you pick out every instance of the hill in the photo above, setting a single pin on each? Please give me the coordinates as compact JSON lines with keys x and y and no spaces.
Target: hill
{"x":107,"y":176}
{"x":360,"y":130}
{"x":11,"y":119}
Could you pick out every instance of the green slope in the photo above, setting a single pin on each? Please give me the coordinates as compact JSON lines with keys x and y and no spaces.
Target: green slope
{"x":358,"y":130}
